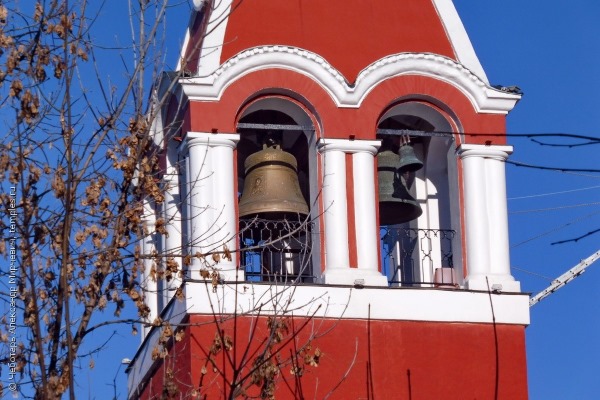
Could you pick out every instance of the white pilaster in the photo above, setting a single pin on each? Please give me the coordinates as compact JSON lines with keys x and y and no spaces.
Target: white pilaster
{"x":211,"y":200}
{"x":486,"y":218}
{"x":148,"y":248}
{"x":337,"y":251}
{"x":173,"y":240}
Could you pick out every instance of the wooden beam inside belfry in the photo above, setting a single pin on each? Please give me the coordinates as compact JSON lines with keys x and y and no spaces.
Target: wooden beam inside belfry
{"x":410,"y":132}
{"x":394,"y":132}
{"x":283,"y":127}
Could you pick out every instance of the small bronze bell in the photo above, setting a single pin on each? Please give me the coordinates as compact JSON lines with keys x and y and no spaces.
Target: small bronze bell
{"x":396,"y":204}
{"x":408,"y":159}
{"x":271,"y":188}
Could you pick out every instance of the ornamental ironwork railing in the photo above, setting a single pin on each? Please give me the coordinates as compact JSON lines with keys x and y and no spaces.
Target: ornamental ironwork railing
{"x":417,"y":257}
{"x":276,"y":250}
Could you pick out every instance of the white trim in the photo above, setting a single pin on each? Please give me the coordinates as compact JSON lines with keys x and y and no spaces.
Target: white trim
{"x":459,"y":39}
{"x":212,"y":42}
{"x":182,"y":55}
{"x":398,"y":304}
{"x":213,"y":37}
{"x":198,"y":4}
{"x":481,"y":150}
{"x":210,"y":139}
{"x":483,"y":97}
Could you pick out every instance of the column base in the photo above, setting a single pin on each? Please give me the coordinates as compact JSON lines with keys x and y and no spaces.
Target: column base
{"x":501,"y":283}
{"x":231,"y":273}
{"x":353,"y":276}
{"x":227,"y":273}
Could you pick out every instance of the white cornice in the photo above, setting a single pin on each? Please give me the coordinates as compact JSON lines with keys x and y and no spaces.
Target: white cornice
{"x":484,"y":98}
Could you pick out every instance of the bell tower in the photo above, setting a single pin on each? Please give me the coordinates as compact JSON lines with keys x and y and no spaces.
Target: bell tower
{"x":336,"y":208}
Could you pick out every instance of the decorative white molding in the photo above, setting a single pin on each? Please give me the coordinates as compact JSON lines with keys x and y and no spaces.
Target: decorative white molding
{"x":209,"y":139}
{"x":481,"y":150}
{"x":459,"y":39}
{"x":483,"y":97}
{"x":349,"y":146}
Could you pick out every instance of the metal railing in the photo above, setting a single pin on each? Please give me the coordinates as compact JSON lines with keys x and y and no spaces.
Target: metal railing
{"x":280,"y":251}
{"x":417,"y":257}
{"x":276,"y":250}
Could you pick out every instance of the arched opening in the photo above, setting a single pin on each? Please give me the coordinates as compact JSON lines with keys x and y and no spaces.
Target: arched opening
{"x":421,"y":246}
{"x":275,"y":168}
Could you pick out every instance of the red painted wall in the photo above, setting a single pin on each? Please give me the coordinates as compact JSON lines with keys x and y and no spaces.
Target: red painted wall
{"x":365,"y":359}
{"x":350,"y":34}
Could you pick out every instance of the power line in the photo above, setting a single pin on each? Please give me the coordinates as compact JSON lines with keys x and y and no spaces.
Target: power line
{"x":554,"y":208}
{"x":415,"y":132}
{"x":546,"y":233}
{"x":533,"y":273}
{"x":553,"y":193}
{"x":521,"y":164}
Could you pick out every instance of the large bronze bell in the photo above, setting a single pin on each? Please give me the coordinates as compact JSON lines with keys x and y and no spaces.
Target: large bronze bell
{"x":271,"y":187}
{"x":396,"y":204}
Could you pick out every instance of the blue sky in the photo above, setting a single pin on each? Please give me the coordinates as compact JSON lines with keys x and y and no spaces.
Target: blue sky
{"x":551,"y":50}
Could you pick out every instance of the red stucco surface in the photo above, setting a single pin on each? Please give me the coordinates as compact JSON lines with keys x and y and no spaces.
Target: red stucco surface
{"x":364,"y":360}
{"x":350,"y":34}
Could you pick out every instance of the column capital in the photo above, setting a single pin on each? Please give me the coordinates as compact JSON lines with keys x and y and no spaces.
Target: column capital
{"x":349,"y":146}
{"x":481,"y":150}
{"x":193,"y":139}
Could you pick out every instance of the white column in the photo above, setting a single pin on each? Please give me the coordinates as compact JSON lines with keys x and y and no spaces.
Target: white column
{"x":486,"y":217}
{"x":335,"y":207}
{"x":476,"y":210}
{"x":337,"y":251}
{"x":499,"y":252}
{"x":224,"y":201}
{"x":199,"y":199}
{"x":149,"y":283}
{"x":211,"y":200}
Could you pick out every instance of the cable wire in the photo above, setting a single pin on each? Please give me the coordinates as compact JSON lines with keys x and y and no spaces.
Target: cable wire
{"x":555,"y":208}
{"x":521,"y":164}
{"x":553,"y":193}
{"x":546,"y":233}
